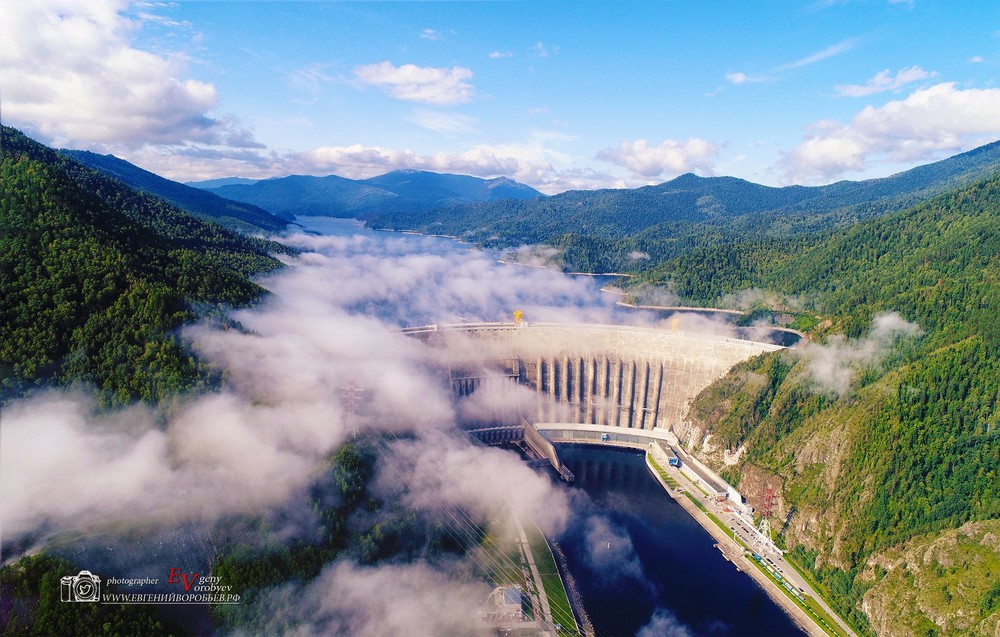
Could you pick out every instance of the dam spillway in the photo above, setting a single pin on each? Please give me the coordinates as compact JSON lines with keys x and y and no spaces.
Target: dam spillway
{"x":605,"y":375}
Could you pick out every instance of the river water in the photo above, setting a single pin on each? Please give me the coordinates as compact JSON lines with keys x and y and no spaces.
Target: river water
{"x":641,"y":563}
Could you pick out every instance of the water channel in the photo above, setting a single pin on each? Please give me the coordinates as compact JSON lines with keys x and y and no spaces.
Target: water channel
{"x":641,"y":563}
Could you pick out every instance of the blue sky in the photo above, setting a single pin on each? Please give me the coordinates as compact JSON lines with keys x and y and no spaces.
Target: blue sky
{"x":555,"y":94}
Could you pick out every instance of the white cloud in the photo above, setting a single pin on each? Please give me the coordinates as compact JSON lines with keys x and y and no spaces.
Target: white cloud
{"x":496,"y":55}
{"x":833,"y":366}
{"x":449,"y":123}
{"x":929,"y":122}
{"x":739,"y":77}
{"x":614,"y":564}
{"x":431,"y":34}
{"x":884,"y":81}
{"x":398,"y":599}
{"x":194,"y":162}
{"x":539,"y":50}
{"x":580,"y":179}
{"x":976,"y":59}
{"x":310,"y":79}
{"x":670,"y":158}
{"x":426,"y":84}
{"x":829,"y":52}
{"x":530,"y":162}
{"x":70,"y":75}
{"x":358,"y":161}
{"x":664,"y":623}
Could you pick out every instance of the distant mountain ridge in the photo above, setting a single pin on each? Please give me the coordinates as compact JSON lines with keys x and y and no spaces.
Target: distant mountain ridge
{"x":224,"y":181}
{"x":693,"y":206}
{"x":399,"y":191}
{"x":233,"y":214}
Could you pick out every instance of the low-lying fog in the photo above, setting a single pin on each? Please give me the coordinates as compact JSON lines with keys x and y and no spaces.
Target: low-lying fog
{"x":86,"y":479}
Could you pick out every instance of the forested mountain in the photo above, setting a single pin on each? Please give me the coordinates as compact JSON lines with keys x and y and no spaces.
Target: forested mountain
{"x":878,"y":446}
{"x":663,"y":221}
{"x":330,"y":196}
{"x":232,"y":214}
{"x":403,"y":192}
{"x":96,"y":276}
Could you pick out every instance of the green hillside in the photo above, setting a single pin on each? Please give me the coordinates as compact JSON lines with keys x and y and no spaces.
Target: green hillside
{"x":234,"y":215}
{"x":96,"y":277}
{"x":910,"y":450}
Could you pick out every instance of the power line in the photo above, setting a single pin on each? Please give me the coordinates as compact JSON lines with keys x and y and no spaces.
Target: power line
{"x":496,"y":561}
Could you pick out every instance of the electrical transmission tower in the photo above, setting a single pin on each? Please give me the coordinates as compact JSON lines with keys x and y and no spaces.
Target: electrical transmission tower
{"x":351,"y":395}
{"x":764,"y":539}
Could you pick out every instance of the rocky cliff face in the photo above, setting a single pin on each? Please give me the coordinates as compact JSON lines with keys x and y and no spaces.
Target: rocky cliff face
{"x":942,"y":584}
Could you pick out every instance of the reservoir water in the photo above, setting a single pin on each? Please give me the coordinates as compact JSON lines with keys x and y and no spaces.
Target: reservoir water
{"x":643,"y":566}
{"x":591,"y":304}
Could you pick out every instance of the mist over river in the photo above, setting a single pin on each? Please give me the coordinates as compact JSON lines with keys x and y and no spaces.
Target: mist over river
{"x":661,"y":574}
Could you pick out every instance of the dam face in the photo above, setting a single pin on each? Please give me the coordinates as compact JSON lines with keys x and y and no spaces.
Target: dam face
{"x":605,"y":375}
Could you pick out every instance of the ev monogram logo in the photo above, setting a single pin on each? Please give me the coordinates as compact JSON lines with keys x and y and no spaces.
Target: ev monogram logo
{"x":178,"y":577}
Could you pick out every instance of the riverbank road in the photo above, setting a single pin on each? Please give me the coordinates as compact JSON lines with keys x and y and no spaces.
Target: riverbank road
{"x":771,"y":560}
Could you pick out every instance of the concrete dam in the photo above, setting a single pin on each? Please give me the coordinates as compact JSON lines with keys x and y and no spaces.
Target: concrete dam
{"x":588,"y":378}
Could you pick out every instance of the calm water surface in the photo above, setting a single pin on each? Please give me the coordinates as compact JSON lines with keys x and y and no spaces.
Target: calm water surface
{"x":661,"y":567}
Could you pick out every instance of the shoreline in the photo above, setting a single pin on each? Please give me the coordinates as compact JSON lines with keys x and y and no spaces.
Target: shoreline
{"x":683,"y":308}
{"x":713,"y":310}
{"x":572,"y":593}
{"x":547,"y":267}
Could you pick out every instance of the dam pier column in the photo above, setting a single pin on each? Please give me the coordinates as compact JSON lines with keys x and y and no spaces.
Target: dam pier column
{"x":641,"y":391}
{"x":564,"y":392}
{"x":602,"y":391}
{"x":578,"y":389}
{"x":615,"y":378}
{"x":654,"y":391}
{"x":627,"y":401}
{"x":538,"y":389}
{"x":588,"y":388}
{"x":550,"y":376}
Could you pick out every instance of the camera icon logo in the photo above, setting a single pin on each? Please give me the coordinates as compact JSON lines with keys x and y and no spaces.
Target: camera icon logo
{"x":83,"y":587}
